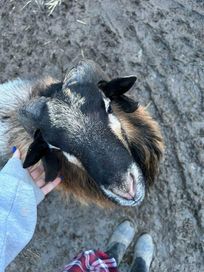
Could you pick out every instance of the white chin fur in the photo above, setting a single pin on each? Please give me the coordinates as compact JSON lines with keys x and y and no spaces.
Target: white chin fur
{"x":52,"y":146}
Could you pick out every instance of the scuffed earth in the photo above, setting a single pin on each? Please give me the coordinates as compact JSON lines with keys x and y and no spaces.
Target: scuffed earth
{"x":161,"y":42}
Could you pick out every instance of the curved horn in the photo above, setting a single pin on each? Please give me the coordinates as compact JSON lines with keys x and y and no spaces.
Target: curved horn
{"x":86,"y":71}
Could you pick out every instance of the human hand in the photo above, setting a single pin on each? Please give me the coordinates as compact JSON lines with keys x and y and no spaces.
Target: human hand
{"x":37,"y":174}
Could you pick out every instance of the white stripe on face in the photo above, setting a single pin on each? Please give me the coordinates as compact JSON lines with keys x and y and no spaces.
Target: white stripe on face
{"x":114,"y":123}
{"x":73,"y":159}
{"x":69,"y":157}
{"x":106,"y":102}
{"x":52,"y":146}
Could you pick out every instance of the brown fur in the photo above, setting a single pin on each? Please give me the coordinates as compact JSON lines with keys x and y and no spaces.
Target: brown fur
{"x":142,"y":135}
{"x":144,"y":138}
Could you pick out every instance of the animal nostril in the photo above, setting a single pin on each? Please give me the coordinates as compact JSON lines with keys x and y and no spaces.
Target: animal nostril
{"x":131,"y":189}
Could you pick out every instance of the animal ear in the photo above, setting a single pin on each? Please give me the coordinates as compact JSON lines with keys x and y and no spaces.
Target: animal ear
{"x":39,"y":149}
{"x":127,"y":104}
{"x":117,"y":86}
{"x":52,"y":165}
{"x":32,"y":114}
{"x":36,"y":150}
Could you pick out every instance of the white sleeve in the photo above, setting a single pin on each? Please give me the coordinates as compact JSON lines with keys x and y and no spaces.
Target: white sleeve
{"x":19,"y":197}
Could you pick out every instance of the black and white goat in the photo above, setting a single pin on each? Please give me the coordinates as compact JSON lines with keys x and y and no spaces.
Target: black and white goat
{"x":105,"y":145}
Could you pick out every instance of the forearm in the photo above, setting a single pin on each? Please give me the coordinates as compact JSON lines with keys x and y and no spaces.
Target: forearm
{"x":18,"y":210}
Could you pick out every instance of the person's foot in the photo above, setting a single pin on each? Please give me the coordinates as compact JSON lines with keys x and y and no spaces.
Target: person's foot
{"x":143,"y":254}
{"x":120,"y":240}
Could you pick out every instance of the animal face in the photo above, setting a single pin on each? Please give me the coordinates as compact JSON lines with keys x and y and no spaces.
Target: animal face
{"x":93,"y":124}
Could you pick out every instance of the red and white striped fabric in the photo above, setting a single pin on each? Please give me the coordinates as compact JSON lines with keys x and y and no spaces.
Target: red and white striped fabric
{"x":92,"y":261}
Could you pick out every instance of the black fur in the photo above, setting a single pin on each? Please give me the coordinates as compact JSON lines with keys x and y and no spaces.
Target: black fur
{"x":114,"y":89}
{"x":81,"y":127}
{"x":51,"y":164}
{"x":52,"y":90}
{"x":126,"y":104}
{"x":117,"y":86}
{"x":39,"y":149}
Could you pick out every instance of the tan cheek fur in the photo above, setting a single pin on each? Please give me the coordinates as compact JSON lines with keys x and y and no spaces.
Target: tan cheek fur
{"x":118,"y":133}
{"x":138,"y":138}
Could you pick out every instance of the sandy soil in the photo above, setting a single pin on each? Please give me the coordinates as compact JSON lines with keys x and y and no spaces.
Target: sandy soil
{"x":160,"y":41}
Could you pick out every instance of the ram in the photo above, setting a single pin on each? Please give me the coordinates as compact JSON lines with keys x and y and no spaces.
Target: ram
{"x":105,"y":144}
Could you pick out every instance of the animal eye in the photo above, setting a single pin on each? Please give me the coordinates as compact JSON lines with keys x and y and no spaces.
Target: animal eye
{"x":109,"y":109}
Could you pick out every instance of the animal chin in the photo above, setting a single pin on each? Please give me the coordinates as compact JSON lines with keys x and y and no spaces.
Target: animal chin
{"x":125,"y":199}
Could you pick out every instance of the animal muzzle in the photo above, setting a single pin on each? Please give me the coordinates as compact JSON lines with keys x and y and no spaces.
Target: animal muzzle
{"x":131,"y":191}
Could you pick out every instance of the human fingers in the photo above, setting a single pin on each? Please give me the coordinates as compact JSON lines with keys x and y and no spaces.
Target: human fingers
{"x":51,"y":185}
{"x":36,"y":166}
{"x":36,"y":172}
{"x":40,"y":183}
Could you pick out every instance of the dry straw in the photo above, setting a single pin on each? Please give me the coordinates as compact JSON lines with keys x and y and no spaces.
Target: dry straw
{"x":52,"y":4}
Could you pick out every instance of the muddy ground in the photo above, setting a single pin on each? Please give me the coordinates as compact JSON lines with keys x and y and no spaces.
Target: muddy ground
{"x":160,"y":41}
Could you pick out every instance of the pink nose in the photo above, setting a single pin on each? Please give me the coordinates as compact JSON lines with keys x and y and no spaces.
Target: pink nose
{"x":130,"y":190}
{"x":131,"y":187}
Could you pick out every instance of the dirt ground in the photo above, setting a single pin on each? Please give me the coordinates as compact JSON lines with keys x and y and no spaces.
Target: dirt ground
{"x":160,"y":41}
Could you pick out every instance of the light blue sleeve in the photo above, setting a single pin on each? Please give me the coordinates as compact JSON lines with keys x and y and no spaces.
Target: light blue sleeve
{"x":19,"y":197}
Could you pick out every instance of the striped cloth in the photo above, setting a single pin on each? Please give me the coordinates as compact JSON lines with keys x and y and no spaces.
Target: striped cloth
{"x":91,"y":260}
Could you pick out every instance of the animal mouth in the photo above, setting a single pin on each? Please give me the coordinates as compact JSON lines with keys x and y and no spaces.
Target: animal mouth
{"x":131,"y":194}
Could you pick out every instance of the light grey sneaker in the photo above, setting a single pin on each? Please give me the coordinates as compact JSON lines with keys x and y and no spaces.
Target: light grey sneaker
{"x":120,"y":240}
{"x":143,"y":254}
